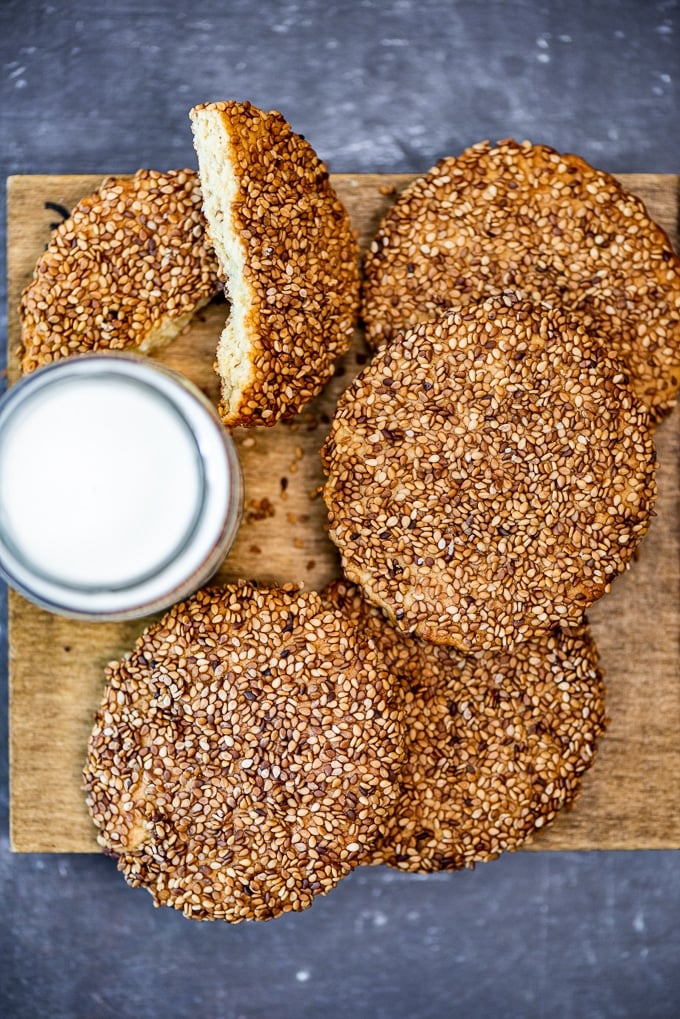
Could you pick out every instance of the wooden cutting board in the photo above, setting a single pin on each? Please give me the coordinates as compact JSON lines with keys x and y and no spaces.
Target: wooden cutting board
{"x":631,"y":797}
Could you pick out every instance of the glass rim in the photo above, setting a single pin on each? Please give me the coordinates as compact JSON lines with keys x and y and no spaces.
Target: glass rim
{"x":215,"y":520}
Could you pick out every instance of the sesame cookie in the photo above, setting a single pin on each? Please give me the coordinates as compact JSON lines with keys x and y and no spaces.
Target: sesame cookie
{"x":288,"y":255}
{"x":521,"y":216}
{"x":496,"y":744}
{"x":488,"y":475}
{"x":245,"y":753}
{"x":125,"y":271}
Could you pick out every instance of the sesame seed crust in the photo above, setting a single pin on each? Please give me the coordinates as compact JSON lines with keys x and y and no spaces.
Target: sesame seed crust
{"x":525,"y":217}
{"x":245,"y":753}
{"x":496,"y":744}
{"x":297,"y":257}
{"x":488,"y":475}
{"x":125,"y":271}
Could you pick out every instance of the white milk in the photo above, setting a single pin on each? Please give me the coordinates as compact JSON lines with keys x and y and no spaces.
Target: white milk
{"x":119,"y":489}
{"x":100,"y":481}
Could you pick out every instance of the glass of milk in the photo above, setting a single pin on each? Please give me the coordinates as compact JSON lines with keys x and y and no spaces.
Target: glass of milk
{"x":120,"y":490}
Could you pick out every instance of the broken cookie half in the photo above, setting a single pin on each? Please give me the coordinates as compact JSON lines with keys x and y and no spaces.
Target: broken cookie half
{"x":286,"y":251}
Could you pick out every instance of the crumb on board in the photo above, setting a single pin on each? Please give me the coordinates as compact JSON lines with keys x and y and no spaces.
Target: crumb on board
{"x":259,"y":509}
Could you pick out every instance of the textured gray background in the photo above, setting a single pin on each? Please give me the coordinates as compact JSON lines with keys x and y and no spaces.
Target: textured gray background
{"x":103,"y":87}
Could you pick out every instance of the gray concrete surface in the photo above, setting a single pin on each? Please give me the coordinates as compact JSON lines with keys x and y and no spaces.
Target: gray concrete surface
{"x":104,"y":87}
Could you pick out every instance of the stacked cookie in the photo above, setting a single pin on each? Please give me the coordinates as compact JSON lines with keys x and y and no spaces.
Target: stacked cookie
{"x":524,"y":217}
{"x":492,"y":469}
{"x":489,"y":474}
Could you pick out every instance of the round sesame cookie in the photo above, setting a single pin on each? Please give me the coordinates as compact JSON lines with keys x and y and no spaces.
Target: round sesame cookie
{"x":289,"y":257}
{"x":522,"y":216}
{"x":125,"y":271}
{"x":488,"y":475}
{"x":496,"y":744}
{"x":245,"y":753}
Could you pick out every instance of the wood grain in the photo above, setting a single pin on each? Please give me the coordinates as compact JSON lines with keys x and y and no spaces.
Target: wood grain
{"x":630,"y":799}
